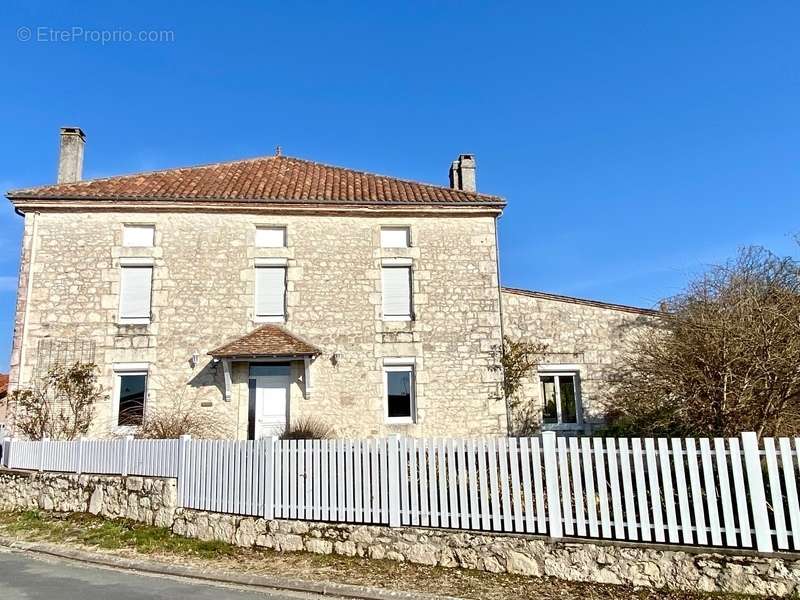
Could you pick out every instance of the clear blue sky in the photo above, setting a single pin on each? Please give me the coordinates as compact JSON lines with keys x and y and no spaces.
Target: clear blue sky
{"x":635,"y":142}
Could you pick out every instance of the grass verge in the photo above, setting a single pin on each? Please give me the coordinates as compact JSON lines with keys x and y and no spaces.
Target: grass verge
{"x":128,"y":538}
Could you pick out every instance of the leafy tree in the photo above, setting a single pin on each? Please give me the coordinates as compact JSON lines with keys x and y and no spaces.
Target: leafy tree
{"x":60,"y":406}
{"x":724,"y":358}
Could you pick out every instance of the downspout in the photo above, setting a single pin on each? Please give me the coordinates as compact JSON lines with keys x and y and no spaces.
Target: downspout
{"x":500,"y":301}
{"x":28,"y":291}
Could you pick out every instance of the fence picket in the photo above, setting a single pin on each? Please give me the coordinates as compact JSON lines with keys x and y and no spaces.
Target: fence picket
{"x":616,"y":496}
{"x":422,"y":476}
{"x":683,"y":492}
{"x":757,"y":496}
{"x":741,"y":493}
{"x":493,"y":484}
{"x":602,"y":490}
{"x":577,"y":487}
{"x":536,"y":456}
{"x":473,"y":485}
{"x":505,"y":487}
{"x":588,"y":473}
{"x":711,"y":493}
{"x":413,"y":478}
{"x":654,"y":494}
{"x":452,"y":479}
{"x":791,"y":488}
{"x":527,"y":489}
{"x":441,"y":462}
{"x":725,"y":491}
{"x":358,"y":480}
{"x":566,"y":496}
{"x":433,"y":486}
{"x":366,"y":470}
{"x":696,"y":491}
{"x":669,"y":492}
{"x":516,"y":493}
{"x":776,"y":493}
{"x":627,"y":489}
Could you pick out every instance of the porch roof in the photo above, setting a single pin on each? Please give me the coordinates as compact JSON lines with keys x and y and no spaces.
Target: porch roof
{"x":266,"y":341}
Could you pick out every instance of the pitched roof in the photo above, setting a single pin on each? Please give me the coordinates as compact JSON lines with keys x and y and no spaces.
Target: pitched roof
{"x":584,"y":301}
{"x":278,"y":179}
{"x":267,"y":340}
{"x":3,"y":385}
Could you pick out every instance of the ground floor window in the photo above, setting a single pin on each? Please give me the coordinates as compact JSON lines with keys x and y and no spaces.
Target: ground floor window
{"x":131,"y":395}
{"x":561,"y":399}
{"x":399,"y":393}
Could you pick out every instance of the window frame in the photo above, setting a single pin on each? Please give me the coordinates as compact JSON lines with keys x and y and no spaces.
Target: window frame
{"x":576,"y":382}
{"x":127,"y":370}
{"x":135,"y":263}
{"x":270,"y":264}
{"x":281,"y":228}
{"x":397,"y":366}
{"x":408,"y":266}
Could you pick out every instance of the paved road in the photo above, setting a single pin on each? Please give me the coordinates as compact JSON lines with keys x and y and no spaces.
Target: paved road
{"x":29,"y":576}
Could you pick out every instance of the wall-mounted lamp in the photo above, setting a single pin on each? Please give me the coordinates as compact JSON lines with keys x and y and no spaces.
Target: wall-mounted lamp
{"x":195,"y":359}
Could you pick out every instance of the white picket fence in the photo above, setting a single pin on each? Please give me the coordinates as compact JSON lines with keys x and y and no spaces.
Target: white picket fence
{"x":719,"y":492}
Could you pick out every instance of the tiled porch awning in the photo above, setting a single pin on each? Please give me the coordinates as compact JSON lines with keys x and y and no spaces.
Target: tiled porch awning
{"x":266,"y":341}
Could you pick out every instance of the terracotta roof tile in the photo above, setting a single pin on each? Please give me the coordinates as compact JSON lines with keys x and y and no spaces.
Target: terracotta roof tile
{"x":267,"y":340}
{"x":3,"y":385}
{"x":268,"y":179}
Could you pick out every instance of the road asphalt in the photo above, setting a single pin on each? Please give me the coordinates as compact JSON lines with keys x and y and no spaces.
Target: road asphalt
{"x":27,"y":576}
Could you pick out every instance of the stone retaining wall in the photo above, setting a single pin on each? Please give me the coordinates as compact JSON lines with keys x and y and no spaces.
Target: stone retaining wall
{"x":153,"y":501}
{"x":143,"y":499}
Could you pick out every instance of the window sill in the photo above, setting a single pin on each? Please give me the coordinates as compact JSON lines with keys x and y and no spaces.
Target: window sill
{"x":400,"y":421}
{"x":395,"y":318}
{"x":562,"y":427}
{"x":276,"y":319}
{"x":132,"y":321}
{"x":125,"y":429}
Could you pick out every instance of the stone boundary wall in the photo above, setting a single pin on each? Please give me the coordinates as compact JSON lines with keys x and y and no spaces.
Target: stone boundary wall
{"x":153,"y":501}
{"x":144,"y":499}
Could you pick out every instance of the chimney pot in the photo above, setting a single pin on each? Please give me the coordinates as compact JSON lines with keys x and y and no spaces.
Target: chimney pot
{"x":462,"y":173}
{"x":70,"y":157}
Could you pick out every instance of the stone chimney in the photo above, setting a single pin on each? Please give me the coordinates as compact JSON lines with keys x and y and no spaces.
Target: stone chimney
{"x":462,"y":173}
{"x":70,"y":157}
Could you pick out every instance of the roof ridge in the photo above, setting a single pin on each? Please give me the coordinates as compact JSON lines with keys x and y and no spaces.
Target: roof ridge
{"x":286,"y":158}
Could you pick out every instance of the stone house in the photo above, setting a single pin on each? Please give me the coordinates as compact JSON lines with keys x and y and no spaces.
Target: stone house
{"x":258,"y":292}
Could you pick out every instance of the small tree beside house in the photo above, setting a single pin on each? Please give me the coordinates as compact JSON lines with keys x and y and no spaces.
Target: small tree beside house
{"x":60,"y":406}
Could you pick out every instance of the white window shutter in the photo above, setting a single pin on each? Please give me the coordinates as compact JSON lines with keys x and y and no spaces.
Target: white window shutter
{"x":394,"y":237}
{"x":138,"y":236}
{"x":135,"y":291}
{"x":270,"y":291}
{"x":270,"y":237}
{"x":396,"y":291}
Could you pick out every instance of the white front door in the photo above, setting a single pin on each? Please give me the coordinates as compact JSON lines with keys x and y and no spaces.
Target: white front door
{"x":271,"y":410}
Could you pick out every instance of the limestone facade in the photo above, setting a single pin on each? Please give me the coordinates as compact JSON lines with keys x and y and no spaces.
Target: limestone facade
{"x":583,"y":337}
{"x":203,"y":295}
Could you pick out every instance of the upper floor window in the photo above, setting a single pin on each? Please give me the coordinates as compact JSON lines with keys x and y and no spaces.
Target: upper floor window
{"x":561,"y":399}
{"x":135,"y":290}
{"x":270,"y":301}
{"x":270,"y":237}
{"x":138,"y":236}
{"x":395,"y":237}
{"x":396,"y":282}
